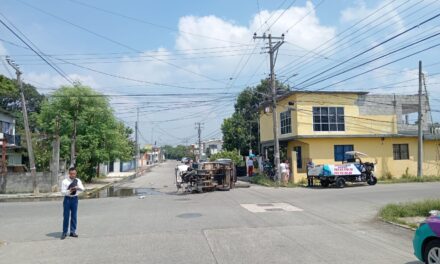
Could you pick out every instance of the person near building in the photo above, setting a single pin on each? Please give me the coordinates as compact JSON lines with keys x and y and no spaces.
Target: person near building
{"x":283,"y":171}
{"x":288,"y":171}
{"x":310,"y":165}
{"x":250,"y":165}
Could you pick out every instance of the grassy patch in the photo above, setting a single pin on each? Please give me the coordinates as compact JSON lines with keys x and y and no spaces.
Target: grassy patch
{"x":262,"y":179}
{"x":409,"y":178}
{"x":394,"y":212}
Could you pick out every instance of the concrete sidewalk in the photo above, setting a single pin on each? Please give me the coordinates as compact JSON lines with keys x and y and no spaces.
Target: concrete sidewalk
{"x":95,"y":186}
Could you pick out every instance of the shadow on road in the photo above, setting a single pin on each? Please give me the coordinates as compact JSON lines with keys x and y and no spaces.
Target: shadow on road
{"x":54,"y":234}
{"x":332,"y":187}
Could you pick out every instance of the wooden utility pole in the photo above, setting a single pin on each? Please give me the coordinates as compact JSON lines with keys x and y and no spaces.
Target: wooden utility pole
{"x":272,"y":50}
{"x":26,"y":127}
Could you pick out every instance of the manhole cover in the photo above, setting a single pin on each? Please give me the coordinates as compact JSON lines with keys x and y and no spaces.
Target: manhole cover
{"x":190,"y":215}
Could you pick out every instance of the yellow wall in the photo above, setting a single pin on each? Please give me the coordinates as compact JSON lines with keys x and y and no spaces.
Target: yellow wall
{"x":302,"y":117}
{"x":322,"y":149}
{"x":380,"y":151}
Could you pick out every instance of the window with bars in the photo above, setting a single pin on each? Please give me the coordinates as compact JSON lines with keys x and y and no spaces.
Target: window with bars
{"x":286,"y":122}
{"x":340,"y":151}
{"x":400,"y":151}
{"x":328,"y":119}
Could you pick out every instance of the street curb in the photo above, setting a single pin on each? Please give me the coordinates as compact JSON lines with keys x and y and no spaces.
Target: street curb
{"x":51,"y":197}
{"x":397,"y":224}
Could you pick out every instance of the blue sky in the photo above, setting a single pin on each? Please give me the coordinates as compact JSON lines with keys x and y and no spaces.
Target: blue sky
{"x":202,"y":52}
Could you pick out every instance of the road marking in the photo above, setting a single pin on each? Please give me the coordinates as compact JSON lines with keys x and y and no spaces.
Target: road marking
{"x":271,"y":207}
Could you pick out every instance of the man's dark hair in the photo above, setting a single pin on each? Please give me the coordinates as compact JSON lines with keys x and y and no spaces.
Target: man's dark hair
{"x":72,"y":169}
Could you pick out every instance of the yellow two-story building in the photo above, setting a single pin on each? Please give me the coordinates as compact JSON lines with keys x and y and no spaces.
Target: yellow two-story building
{"x":324,"y":125}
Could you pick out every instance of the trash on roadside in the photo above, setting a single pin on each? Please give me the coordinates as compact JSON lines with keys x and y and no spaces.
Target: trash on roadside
{"x":142,"y":197}
{"x":434,"y":213}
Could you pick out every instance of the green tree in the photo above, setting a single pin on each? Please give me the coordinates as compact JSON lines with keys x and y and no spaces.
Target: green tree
{"x":10,"y":100}
{"x":85,"y":118}
{"x":240,"y":131}
{"x":176,"y":152}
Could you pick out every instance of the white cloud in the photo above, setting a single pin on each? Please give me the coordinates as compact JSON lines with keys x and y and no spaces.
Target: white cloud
{"x":235,"y":40}
{"x":302,"y":24}
{"x":220,"y":63}
{"x":52,"y":81}
{"x":3,"y":51}
{"x":388,"y":14}
{"x":212,"y":29}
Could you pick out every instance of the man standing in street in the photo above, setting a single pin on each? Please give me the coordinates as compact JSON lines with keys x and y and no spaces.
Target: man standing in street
{"x":70,"y":187}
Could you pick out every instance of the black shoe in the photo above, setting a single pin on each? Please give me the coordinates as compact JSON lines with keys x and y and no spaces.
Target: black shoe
{"x":63,"y":236}
{"x":73,"y":234}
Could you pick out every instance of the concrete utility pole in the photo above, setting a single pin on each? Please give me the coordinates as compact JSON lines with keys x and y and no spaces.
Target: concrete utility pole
{"x":55,"y":168}
{"x":26,"y":126}
{"x":4,"y":166}
{"x":73,"y":140}
{"x":199,"y":131}
{"x":272,"y":50}
{"x":137,"y":142}
{"x":420,"y":126}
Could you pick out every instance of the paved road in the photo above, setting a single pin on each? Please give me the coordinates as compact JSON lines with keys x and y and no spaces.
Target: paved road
{"x":322,"y":226}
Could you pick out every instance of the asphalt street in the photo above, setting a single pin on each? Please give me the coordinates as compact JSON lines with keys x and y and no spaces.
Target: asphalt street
{"x":245,"y":225}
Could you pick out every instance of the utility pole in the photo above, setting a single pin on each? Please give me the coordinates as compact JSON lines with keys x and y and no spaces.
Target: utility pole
{"x":73,"y":140}
{"x":26,"y":126}
{"x":273,"y":51}
{"x":420,"y":126}
{"x":4,"y":166}
{"x":56,"y":152}
{"x":199,"y":131}
{"x":137,"y":142}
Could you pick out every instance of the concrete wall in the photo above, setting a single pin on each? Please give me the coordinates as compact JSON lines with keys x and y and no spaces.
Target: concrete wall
{"x":22,"y":182}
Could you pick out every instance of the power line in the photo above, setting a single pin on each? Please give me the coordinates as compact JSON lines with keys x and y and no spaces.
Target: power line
{"x":359,"y":40}
{"x":374,"y":47}
{"x":347,"y":39}
{"x":301,"y":19}
{"x":368,"y":62}
{"x":378,"y":67}
{"x":112,"y":40}
{"x":147,"y":22}
{"x":339,"y":34}
{"x":36,"y":52}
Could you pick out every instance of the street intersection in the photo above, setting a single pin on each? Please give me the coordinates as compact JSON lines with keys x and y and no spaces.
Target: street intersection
{"x":245,"y":225}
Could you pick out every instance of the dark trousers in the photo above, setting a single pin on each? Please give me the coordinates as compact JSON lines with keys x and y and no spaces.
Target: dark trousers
{"x":70,"y":209}
{"x":250,"y":171}
{"x":309,"y":181}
